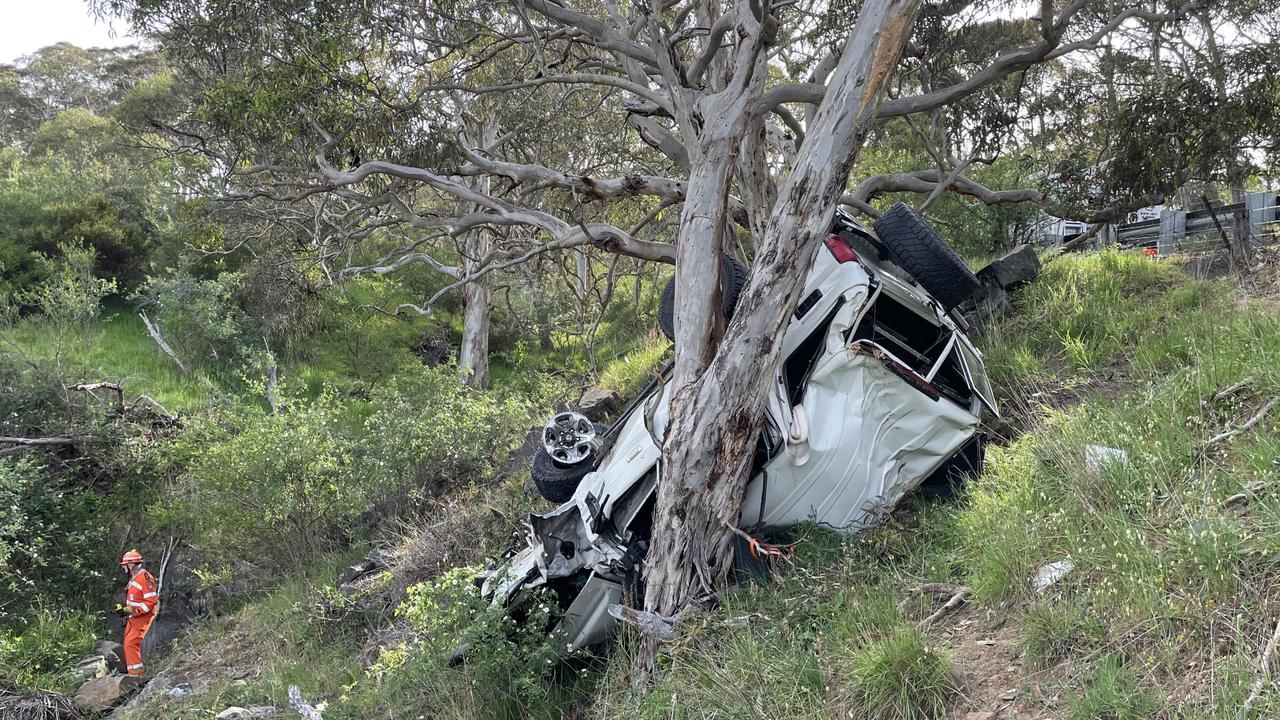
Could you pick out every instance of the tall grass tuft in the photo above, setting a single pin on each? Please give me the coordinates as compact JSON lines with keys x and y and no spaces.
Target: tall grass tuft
{"x":900,"y":677}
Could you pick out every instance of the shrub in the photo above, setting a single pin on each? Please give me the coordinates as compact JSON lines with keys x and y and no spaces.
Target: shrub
{"x":284,"y":486}
{"x":272,"y":490}
{"x":38,"y":652}
{"x":509,"y":664}
{"x":200,"y":319}
{"x":900,"y":678}
{"x":50,"y":541}
{"x":429,"y":431}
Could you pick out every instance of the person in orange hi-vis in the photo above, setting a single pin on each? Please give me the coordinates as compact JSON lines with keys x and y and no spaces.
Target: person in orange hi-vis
{"x":142,"y":600}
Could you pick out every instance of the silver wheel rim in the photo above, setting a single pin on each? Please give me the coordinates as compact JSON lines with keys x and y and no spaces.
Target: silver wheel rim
{"x":569,"y":438}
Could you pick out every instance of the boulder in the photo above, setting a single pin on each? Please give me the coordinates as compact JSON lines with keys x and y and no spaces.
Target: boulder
{"x":598,"y":403}
{"x":1019,"y":266}
{"x":102,"y":694}
{"x":94,"y":666}
{"x":991,"y":300}
{"x":113,"y":652}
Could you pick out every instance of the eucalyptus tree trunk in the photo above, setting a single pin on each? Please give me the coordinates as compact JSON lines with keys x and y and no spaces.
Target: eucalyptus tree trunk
{"x":719,"y":388}
{"x":473,"y":355}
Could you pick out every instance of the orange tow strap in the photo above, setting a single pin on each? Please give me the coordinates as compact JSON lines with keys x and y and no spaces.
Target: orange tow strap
{"x":761,"y":551}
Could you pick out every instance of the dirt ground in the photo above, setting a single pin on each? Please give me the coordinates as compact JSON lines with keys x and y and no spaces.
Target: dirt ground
{"x":997,"y":684}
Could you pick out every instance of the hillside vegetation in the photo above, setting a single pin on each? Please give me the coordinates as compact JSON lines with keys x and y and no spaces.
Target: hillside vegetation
{"x":284,"y":291}
{"x":1168,"y":602}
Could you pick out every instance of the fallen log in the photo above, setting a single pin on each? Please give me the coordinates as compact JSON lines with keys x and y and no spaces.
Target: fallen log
{"x":19,"y":444}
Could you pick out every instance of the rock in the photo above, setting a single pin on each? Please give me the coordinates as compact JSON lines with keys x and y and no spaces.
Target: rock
{"x":113,"y":652}
{"x":233,"y":713}
{"x":157,"y":688}
{"x":371,"y":563}
{"x":1019,"y":266}
{"x":180,"y":690}
{"x":94,"y":666}
{"x":598,"y":403}
{"x":102,"y":694}
{"x":989,"y":301}
{"x":1097,"y":457}
{"x":1051,"y":573}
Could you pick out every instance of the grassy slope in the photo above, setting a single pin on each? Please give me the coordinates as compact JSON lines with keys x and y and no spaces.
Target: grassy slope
{"x":1165,"y":611}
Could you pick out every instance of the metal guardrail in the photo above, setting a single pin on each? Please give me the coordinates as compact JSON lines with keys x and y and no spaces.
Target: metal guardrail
{"x":1207,"y":229}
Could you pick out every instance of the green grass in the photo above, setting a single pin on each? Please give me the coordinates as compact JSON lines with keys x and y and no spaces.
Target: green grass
{"x":1053,"y":632}
{"x":1166,"y":605}
{"x":1085,"y":312}
{"x":1110,"y":690}
{"x":117,"y":349}
{"x":900,"y":677}
{"x":628,"y":374}
{"x":52,"y":641}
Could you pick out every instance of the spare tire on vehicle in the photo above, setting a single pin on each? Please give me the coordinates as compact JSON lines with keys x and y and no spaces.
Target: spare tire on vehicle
{"x":733,"y":277}
{"x":913,"y":246}
{"x":557,"y":482}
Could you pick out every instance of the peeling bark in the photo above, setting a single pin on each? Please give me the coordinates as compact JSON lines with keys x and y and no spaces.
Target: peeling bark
{"x":716,"y":411}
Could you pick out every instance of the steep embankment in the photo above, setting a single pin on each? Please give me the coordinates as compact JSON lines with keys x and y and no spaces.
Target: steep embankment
{"x":1165,"y":557}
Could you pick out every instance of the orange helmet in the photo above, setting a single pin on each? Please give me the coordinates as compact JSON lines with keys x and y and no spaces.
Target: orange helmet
{"x":133,"y":556}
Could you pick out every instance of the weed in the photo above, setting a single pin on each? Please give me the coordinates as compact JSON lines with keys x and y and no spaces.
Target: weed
{"x":1108,"y":690}
{"x":1052,"y":633}
{"x":899,"y":678}
{"x":38,"y":657}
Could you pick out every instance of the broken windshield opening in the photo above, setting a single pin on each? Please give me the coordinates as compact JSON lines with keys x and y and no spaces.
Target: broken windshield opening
{"x":949,"y":378}
{"x":910,"y":336}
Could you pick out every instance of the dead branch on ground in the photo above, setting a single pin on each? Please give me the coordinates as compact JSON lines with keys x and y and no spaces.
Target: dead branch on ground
{"x":1264,"y":672}
{"x":957,"y":594}
{"x":1248,"y":424}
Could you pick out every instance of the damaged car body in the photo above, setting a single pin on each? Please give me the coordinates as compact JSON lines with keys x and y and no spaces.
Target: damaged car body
{"x":878,"y":389}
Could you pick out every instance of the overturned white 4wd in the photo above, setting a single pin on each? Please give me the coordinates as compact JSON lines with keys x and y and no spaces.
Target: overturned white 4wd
{"x":879,"y":388}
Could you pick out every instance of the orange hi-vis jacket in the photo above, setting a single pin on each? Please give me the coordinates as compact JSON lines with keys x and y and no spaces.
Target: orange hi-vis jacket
{"x":142,"y":597}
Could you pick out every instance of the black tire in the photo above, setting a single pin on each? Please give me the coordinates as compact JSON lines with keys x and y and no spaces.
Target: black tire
{"x":557,"y":482}
{"x":913,"y":246}
{"x":733,"y":277}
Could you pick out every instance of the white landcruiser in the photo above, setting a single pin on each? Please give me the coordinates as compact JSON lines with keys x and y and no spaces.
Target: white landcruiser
{"x":879,"y":388}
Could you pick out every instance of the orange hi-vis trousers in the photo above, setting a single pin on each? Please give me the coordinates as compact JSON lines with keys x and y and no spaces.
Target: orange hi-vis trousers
{"x":135,"y":628}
